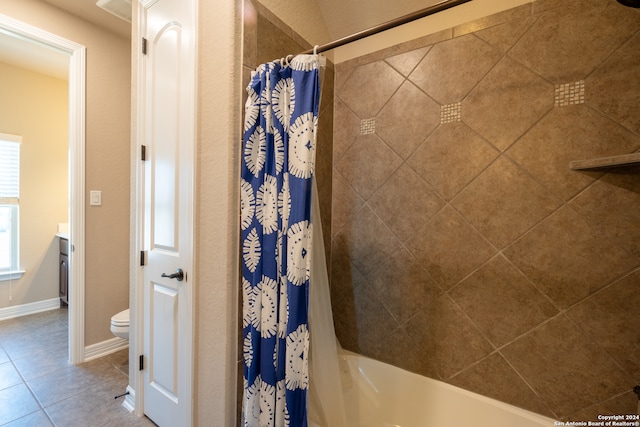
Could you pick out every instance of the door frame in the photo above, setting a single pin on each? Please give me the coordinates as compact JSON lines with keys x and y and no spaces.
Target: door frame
{"x":135,"y":399}
{"x":76,"y":181}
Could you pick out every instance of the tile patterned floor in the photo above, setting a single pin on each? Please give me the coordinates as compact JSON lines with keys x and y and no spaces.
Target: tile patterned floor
{"x":38,"y":386}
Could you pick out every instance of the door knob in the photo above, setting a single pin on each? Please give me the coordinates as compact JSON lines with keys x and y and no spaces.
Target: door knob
{"x":178,"y":275}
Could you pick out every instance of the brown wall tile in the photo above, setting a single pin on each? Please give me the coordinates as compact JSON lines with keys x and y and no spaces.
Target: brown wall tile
{"x":617,"y":405}
{"x":493,"y":377}
{"x":451,"y":158}
{"x":504,"y":202}
{"x":407,"y":119}
{"x":378,"y":80}
{"x":606,"y":205}
{"x":449,"y":248}
{"x":368,"y":153}
{"x":612,"y":87}
{"x":553,"y":360}
{"x":368,"y":240}
{"x":362,"y":322}
{"x":505,"y":35}
{"x":404,"y":63}
{"x":494,"y":108}
{"x":568,"y":43}
{"x":502,"y":302}
{"x":469,"y":234}
{"x":452,"y":68}
{"x":444,"y":335}
{"x":405,"y":202}
{"x":567,"y":259}
{"x":403,"y":285}
{"x":611,"y":319}
{"x":566,"y":134}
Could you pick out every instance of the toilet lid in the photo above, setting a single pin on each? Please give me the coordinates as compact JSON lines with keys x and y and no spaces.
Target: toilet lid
{"x":121,"y":319}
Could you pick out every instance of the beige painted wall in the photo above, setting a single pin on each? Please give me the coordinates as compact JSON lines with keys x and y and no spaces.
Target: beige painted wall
{"x":217,"y":211}
{"x":34,"y":106}
{"x":308,"y":21}
{"x":107,"y":158}
{"x":467,"y":12}
{"x":304,"y":17}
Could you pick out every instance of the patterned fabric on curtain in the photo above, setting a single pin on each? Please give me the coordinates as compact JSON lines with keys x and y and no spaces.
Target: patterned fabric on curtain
{"x":281,"y":118}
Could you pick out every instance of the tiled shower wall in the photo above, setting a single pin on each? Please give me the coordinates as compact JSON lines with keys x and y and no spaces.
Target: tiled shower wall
{"x":463,"y":246}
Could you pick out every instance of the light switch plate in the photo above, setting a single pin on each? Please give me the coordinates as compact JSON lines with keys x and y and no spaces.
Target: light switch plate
{"x":95,"y":198}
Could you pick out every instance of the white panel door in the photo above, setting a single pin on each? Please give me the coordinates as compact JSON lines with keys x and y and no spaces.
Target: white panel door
{"x":169,"y":129}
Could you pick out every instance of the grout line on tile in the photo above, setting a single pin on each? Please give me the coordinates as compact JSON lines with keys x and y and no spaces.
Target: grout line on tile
{"x":477,"y":362}
{"x":533,"y":22}
{"x":475,"y":325}
{"x":606,"y":59}
{"x":609,"y":355}
{"x":533,"y":390}
{"x":483,"y":76}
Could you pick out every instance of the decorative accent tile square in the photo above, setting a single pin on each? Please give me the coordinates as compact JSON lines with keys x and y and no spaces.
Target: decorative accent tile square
{"x":450,"y":113}
{"x":368,"y":126}
{"x":569,"y":94}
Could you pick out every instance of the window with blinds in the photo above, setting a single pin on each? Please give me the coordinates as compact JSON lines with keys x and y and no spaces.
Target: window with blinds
{"x":9,"y":204}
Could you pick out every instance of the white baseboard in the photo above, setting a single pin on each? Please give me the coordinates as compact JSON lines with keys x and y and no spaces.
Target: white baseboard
{"x":30,"y":308}
{"x":130,"y":400}
{"x":103,"y":348}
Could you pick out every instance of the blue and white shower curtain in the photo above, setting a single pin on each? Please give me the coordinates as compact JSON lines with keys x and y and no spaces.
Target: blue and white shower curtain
{"x":278,"y":157}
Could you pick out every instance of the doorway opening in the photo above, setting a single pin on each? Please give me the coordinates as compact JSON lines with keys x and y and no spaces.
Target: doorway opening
{"x":76,"y":55}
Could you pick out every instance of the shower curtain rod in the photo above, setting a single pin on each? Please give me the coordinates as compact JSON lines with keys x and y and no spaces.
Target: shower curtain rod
{"x":387,"y":25}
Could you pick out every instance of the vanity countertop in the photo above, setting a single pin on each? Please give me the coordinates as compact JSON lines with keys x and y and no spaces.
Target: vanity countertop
{"x":63,"y":231}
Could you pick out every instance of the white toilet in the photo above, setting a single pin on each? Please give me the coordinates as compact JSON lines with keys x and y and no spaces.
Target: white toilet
{"x":120,"y":324}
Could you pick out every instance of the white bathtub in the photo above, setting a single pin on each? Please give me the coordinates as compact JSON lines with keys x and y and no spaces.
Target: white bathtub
{"x":381,"y":395}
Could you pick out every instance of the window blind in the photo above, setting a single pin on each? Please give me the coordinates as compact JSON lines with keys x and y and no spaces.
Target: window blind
{"x":9,"y":168}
